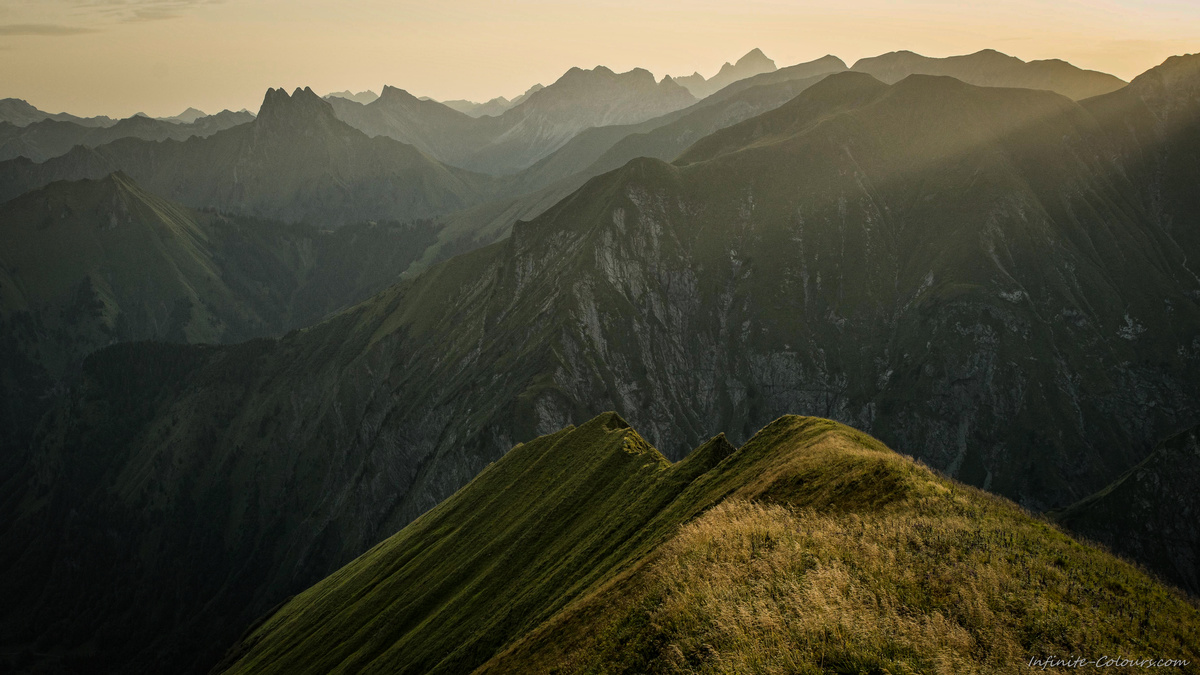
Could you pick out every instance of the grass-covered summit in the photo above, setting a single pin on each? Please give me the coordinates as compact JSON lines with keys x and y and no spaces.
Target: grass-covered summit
{"x":812,"y":548}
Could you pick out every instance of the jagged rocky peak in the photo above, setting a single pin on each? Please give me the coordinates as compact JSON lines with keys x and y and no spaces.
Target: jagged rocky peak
{"x":303,"y":105}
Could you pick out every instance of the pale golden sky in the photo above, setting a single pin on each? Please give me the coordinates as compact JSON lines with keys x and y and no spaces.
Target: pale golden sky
{"x":118,"y":57}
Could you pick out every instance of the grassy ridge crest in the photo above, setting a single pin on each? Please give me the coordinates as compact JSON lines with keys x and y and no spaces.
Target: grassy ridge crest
{"x":812,"y":548}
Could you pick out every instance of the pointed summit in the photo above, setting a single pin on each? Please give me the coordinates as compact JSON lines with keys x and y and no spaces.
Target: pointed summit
{"x":753,"y":63}
{"x":755,"y":57}
{"x":302,"y":107}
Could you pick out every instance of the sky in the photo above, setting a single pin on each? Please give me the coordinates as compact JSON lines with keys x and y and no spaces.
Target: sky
{"x":120,"y":57}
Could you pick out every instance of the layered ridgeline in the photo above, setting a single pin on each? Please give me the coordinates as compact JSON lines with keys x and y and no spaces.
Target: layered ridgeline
{"x":86,"y":264}
{"x":812,"y":548}
{"x":42,"y":140}
{"x":990,"y":68}
{"x":521,"y":135}
{"x":601,"y":149}
{"x":295,"y":162}
{"x":994,"y":280}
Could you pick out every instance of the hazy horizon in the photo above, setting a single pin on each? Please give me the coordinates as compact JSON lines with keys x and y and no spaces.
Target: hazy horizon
{"x":121,"y":57}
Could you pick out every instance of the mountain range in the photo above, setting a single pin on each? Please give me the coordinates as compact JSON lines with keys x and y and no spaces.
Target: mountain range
{"x":515,"y":138}
{"x":235,"y":362}
{"x":295,"y":162}
{"x":993,"y":280}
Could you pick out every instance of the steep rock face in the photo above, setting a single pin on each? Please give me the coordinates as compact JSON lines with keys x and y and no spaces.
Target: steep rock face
{"x":295,"y":162}
{"x":967,"y":272}
{"x":1149,"y":514}
{"x":990,"y":68}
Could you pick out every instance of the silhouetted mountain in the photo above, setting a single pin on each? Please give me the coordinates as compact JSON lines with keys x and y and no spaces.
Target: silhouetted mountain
{"x":47,"y":139}
{"x":20,"y":113}
{"x":296,"y":162}
{"x":186,"y":117}
{"x":753,"y":63}
{"x":990,"y":68}
{"x":989,"y":279}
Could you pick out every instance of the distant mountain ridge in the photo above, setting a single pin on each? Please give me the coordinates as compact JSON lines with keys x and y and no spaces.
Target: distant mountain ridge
{"x":295,"y":162}
{"x":990,"y":68}
{"x":492,"y":107}
{"x":40,"y":141}
{"x":363,"y":97}
{"x":543,"y":121}
{"x":20,"y":113}
{"x":187,"y":116}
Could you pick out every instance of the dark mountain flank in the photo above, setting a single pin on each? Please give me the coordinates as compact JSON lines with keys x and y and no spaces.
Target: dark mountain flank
{"x":50,"y":138}
{"x":87,"y":264}
{"x":295,"y":162}
{"x":996,"y":281}
{"x":588,"y":551}
{"x":1149,"y":512}
{"x":990,"y":68}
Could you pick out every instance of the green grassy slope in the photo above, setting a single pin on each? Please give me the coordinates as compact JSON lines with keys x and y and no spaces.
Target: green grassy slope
{"x":813,"y":548}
